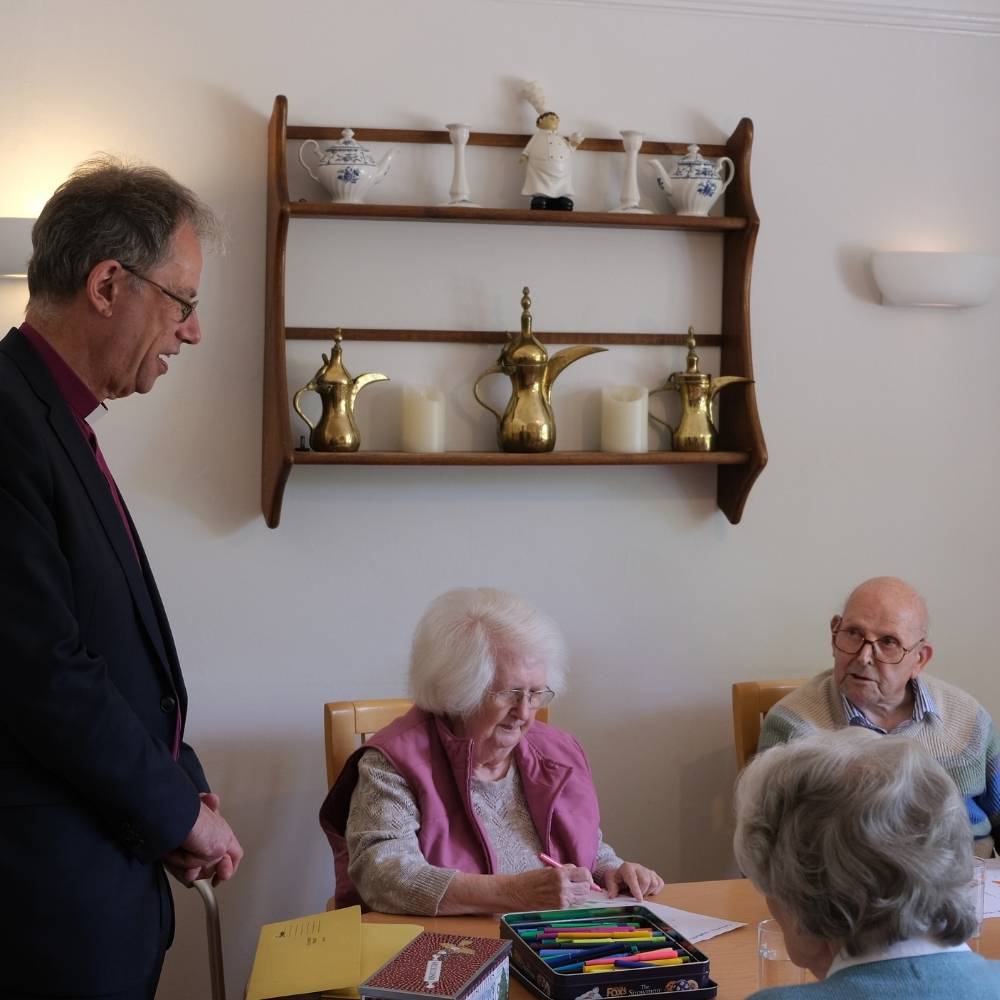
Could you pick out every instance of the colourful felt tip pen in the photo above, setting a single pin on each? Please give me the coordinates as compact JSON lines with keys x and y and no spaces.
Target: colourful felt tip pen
{"x":607,"y":949}
{"x":591,"y":929}
{"x":647,"y":943}
{"x":572,"y":945}
{"x":548,"y":918}
{"x":648,"y":956}
{"x":622,"y":964}
{"x":556,"y":956}
{"x":615,"y":934}
{"x":606,"y":928}
{"x":552,"y":863}
{"x":606,"y":959}
{"x":660,"y":961}
{"x":603,"y":932}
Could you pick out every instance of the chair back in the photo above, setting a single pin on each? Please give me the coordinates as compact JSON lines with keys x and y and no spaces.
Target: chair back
{"x":752,"y":700}
{"x":347,"y":724}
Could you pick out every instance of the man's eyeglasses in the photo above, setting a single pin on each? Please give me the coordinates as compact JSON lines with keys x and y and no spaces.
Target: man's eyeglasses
{"x":187,"y":306}
{"x":888,"y":649}
{"x":535,"y":697}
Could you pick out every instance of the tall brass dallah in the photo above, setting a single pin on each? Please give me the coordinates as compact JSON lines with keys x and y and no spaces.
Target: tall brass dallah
{"x":695,"y":430}
{"x":528,"y":424}
{"x":335,"y":430}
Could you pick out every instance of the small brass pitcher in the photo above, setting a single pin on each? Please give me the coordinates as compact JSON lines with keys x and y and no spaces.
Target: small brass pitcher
{"x":528,"y":424}
{"x":335,"y":430}
{"x":695,"y":430}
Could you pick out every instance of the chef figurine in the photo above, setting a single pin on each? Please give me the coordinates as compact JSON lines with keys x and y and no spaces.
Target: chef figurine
{"x":548,"y":174}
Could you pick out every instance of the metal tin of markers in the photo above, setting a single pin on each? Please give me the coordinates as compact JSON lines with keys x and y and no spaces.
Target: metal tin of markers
{"x":552,"y":980}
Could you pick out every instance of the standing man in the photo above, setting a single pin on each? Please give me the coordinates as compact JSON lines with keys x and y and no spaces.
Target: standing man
{"x":98,"y":791}
{"x":880,"y":645}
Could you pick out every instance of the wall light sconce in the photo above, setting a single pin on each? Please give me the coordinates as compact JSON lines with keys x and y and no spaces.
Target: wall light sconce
{"x":15,"y":247}
{"x":927,"y":278}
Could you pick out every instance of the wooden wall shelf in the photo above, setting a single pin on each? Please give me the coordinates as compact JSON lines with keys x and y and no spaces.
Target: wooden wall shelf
{"x":513,"y":217}
{"x":740,"y":434}
{"x":514,"y":458}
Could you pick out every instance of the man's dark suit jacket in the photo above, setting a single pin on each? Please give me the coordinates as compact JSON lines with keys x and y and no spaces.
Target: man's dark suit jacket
{"x":90,"y":795}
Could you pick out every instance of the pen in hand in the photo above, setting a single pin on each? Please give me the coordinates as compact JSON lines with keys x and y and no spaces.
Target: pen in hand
{"x":552,"y":863}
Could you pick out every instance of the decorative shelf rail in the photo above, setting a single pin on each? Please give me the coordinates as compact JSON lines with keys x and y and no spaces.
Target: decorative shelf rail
{"x":740,"y":434}
{"x":514,"y":458}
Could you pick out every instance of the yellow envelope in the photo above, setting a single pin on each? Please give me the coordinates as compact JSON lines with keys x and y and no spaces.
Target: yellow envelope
{"x":379,"y":943}
{"x":307,"y":955}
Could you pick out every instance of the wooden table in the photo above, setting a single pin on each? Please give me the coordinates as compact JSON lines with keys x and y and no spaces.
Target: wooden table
{"x":733,"y":956}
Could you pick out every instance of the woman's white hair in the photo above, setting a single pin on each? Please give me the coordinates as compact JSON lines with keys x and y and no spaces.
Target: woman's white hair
{"x":462,"y":638}
{"x":863,"y":838}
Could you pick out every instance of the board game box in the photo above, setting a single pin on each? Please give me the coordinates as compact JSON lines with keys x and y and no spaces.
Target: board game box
{"x":449,"y":966}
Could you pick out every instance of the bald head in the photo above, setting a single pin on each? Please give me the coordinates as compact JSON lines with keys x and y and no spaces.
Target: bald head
{"x":893,"y":594}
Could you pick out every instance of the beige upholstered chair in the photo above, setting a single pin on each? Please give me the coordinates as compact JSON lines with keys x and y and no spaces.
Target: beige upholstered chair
{"x":348,"y":724}
{"x":752,"y":700}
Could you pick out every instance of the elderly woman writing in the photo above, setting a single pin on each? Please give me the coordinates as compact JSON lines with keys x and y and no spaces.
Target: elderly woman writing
{"x":861,"y":846}
{"x":448,"y":809}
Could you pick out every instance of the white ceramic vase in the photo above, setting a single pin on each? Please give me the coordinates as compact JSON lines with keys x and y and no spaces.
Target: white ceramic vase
{"x":629,"y":199}
{"x":459,"y":194}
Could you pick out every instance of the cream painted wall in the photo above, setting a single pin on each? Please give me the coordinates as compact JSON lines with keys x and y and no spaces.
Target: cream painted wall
{"x":880,"y":422}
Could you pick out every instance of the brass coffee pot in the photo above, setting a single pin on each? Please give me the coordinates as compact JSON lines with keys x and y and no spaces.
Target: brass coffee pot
{"x":335,"y":430}
{"x":528,"y":424}
{"x":695,"y":431}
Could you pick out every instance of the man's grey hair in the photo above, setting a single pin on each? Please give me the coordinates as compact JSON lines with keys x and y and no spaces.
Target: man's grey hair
{"x":109,"y":210}
{"x":863,"y":838}
{"x":462,"y":638}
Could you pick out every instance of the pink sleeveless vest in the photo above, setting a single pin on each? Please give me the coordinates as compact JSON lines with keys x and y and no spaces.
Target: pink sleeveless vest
{"x":437,"y":766}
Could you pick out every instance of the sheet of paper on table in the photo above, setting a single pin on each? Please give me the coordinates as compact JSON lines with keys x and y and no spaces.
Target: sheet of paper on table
{"x":991,"y":901}
{"x":694,"y":926}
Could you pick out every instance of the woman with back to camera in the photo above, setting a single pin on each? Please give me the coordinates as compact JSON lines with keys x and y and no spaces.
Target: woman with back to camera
{"x":862,"y":847}
{"x":448,"y":809}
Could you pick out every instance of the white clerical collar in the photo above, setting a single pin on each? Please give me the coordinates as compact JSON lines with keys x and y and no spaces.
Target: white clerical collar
{"x":913,"y":948}
{"x":96,"y":413}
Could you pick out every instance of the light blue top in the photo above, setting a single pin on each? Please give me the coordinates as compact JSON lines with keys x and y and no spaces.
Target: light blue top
{"x":945,"y":976}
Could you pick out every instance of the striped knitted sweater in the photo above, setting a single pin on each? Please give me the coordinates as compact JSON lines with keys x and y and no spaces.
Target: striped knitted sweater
{"x":960,"y":736}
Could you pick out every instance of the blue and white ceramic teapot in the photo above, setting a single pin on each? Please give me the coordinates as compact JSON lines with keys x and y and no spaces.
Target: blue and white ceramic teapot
{"x":695,"y":183}
{"x":346,"y":168}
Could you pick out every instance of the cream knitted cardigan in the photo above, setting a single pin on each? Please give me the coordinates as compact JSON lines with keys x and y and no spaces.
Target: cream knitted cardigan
{"x":960,"y":736}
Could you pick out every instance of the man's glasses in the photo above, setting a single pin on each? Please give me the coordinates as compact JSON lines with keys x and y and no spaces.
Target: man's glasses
{"x":187,"y":306}
{"x":535,"y":697}
{"x":888,"y":649}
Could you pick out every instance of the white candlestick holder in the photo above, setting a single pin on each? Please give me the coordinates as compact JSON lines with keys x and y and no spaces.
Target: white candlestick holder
{"x":459,"y":194}
{"x":629,"y":199}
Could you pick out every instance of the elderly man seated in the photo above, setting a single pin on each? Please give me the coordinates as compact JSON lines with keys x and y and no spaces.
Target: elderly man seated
{"x":880,"y":649}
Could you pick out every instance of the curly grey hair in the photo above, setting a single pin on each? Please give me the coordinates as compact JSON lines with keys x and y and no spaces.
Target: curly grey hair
{"x":462,"y":637}
{"x":109,"y":210}
{"x":863,"y":838}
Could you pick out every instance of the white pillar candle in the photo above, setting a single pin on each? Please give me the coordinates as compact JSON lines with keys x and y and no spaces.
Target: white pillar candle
{"x":423,"y":418}
{"x":625,"y":418}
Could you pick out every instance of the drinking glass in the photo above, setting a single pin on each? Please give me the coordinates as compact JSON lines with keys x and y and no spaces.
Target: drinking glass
{"x":977,"y":892}
{"x":774,"y":967}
